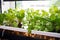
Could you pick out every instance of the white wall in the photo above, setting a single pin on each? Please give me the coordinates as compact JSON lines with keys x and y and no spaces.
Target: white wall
{"x":35,"y":4}
{"x":7,"y":5}
{"x":27,"y":4}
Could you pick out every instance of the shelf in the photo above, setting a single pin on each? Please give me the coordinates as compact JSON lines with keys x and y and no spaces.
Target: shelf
{"x":50,"y":34}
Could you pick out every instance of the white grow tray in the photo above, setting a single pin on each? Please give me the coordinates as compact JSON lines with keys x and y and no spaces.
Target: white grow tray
{"x":57,"y":35}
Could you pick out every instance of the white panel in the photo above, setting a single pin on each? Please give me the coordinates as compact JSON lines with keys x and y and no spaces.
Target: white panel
{"x":35,"y":4}
{"x":7,"y":5}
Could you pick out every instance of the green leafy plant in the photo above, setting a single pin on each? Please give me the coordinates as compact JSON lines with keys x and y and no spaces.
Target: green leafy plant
{"x":55,"y":17}
{"x":10,"y":18}
{"x":2,"y":17}
{"x":20,"y":15}
{"x":34,"y":19}
{"x":44,"y":21}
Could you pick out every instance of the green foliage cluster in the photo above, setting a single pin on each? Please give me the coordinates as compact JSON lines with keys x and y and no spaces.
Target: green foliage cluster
{"x":43,"y":20}
{"x":11,"y":17}
{"x":2,"y":17}
{"x":34,"y":19}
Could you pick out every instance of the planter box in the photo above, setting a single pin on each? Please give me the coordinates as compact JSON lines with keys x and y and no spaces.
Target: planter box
{"x":34,"y":34}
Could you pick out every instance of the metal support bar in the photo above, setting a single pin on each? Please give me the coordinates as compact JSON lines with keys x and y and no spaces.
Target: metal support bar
{"x":3,"y":33}
{"x":15,"y":4}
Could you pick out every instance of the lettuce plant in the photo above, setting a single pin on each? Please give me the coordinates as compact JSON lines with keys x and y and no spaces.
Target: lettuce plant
{"x":42,"y":20}
{"x":20,"y":15}
{"x":10,"y":18}
{"x":2,"y":17}
{"x":34,"y":19}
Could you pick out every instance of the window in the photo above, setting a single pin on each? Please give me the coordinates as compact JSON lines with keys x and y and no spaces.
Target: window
{"x":8,"y":4}
{"x":43,"y":4}
{"x":40,"y":4}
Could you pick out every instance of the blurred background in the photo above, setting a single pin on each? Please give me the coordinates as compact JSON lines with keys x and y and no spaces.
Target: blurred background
{"x":24,"y":4}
